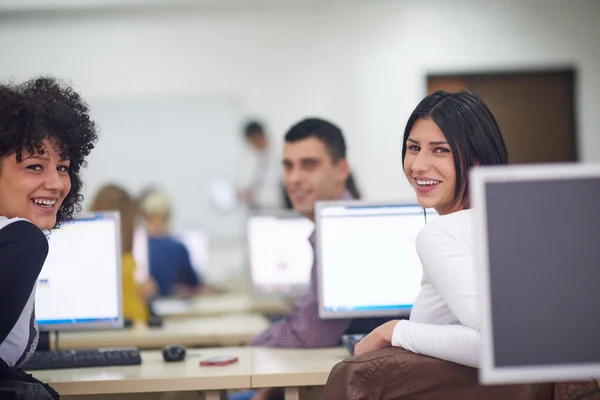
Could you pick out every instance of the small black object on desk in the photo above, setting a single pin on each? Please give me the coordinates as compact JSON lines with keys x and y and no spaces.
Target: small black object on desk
{"x":173,"y":353}
{"x":155,"y":321}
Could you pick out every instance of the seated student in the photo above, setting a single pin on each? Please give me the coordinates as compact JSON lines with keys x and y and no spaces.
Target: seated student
{"x":135,"y":296}
{"x":168,"y":258}
{"x":446,"y":135}
{"x":351,"y":187}
{"x":315,"y":169}
{"x":45,"y":135}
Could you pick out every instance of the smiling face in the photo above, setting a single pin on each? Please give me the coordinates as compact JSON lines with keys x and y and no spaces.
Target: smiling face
{"x":429,"y":165}
{"x":311,"y":175}
{"x":35,"y":187}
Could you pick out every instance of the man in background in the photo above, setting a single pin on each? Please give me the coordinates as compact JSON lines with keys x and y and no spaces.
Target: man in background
{"x":314,"y":169}
{"x":260,"y":181}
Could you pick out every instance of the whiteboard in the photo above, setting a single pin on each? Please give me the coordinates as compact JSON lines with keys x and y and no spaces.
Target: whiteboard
{"x":182,"y":145}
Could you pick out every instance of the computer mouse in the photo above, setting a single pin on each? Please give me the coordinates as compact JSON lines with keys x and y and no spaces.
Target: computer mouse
{"x":173,"y":353}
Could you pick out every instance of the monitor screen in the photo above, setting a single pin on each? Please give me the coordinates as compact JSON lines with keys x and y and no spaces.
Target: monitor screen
{"x":280,"y":253}
{"x":197,"y":244}
{"x":140,"y":254}
{"x":80,"y":283}
{"x":367,"y":260}
{"x":539,"y":230}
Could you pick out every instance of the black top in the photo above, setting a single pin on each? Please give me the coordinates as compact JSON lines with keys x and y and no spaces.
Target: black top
{"x":23,"y":250}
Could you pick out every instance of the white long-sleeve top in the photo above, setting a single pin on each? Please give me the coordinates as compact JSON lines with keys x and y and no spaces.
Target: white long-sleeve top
{"x":444,"y":322}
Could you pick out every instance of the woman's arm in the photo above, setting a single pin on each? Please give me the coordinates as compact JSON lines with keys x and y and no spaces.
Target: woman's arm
{"x":23,"y":250}
{"x":449,"y":264}
{"x":455,"y":343}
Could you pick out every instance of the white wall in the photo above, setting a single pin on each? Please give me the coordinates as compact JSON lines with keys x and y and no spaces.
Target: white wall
{"x":361,"y":65}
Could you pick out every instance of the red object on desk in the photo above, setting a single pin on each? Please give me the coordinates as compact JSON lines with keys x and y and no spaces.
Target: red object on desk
{"x":218,"y":361}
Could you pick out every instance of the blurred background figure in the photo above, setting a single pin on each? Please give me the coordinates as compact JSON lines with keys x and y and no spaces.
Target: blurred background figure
{"x":260,"y":185}
{"x":351,"y":186}
{"x":168,"y":259}
{"x":135,"y":294}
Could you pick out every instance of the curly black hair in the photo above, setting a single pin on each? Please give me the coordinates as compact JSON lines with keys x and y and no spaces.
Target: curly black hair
{"x":44,"y":108}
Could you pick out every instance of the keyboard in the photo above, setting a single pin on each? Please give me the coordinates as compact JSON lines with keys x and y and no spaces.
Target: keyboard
{"x":350,"y":341}
{"x":104,"y":357}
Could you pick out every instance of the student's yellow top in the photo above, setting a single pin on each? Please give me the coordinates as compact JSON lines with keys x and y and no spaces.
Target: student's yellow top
{"x":133,"y":306}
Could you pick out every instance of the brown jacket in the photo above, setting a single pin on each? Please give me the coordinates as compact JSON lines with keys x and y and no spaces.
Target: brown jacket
{"x":398,"y":374}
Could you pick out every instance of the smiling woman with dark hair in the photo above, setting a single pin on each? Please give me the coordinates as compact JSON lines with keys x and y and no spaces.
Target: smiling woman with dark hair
{"x":45,"y":135}
{"x":446,"y":135}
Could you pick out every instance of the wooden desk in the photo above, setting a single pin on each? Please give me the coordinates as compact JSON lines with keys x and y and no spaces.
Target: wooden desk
{"x":220,"y":304}
{"x":154,"y":375}
{"x":293,"y":368}
{"x":232,"y":330}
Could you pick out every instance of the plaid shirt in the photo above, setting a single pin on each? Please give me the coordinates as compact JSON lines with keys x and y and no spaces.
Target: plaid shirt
{"x":304,"y":329}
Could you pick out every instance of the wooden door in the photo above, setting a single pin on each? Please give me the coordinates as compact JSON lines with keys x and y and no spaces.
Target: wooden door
{"x":535,"y":110}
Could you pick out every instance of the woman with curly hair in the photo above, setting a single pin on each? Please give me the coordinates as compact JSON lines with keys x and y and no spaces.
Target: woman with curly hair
{"x":45,"y":135}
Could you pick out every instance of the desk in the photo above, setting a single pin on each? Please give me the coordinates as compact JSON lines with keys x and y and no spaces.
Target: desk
{"x":219,"y":304}
{"x":232,"y":330}
{"x":257,"y":368}
{"x":154,"y":375}
{"x":292,"y":368}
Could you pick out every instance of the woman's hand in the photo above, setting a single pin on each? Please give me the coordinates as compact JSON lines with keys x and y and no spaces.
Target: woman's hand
{"x":380,"y":338}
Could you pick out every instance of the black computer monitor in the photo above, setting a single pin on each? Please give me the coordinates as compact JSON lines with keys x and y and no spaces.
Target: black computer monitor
{"x":538,"y":251}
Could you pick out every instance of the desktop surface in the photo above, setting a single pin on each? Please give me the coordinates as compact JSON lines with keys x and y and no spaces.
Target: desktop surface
{"x":368,"y":264}
{"x":539,"y":229}
{"x":155,"y":375}
{"x":280,"y":254}
{"x":79,"y":286}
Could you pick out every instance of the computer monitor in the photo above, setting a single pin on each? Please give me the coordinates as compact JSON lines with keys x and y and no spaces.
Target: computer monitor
{"x":141,"y":254}
{"x":198,"y":246}
{"x":80,"y":283}
{"x":280,"y":253}
{"x":367,"y":260}
{"x":538,"y":249}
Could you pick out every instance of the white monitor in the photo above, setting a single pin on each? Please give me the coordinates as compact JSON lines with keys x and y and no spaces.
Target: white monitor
{"x":80,"y":283}
{"x":198,"y":246}
{"x":367,"y":260}
{"x":141,"y":254}
{"x":538,"y":252}
{"x":280,"y":253}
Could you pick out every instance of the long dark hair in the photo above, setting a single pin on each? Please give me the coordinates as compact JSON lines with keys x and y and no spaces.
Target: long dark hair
{"x":470,"y":129}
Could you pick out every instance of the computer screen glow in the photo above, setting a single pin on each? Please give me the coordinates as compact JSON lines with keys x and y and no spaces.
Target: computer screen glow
{"x":280,"y":253}
{"x":80,"y":280}
{"x":367,"y":259}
